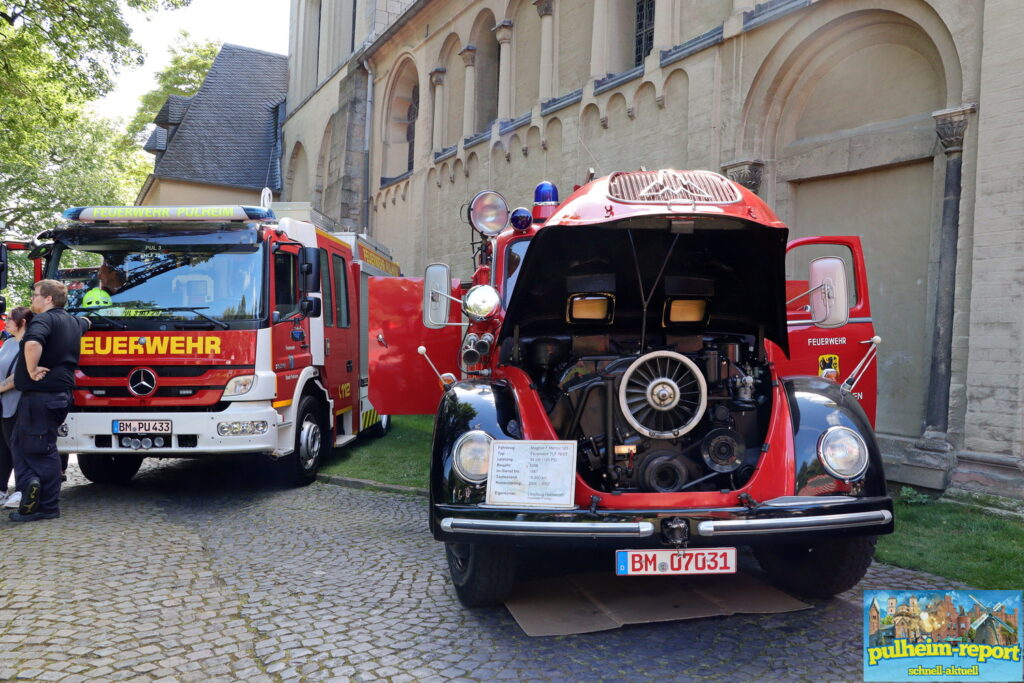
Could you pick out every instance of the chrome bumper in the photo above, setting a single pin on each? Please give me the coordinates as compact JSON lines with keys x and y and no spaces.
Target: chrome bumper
{"x":792,"y":524}
{"x":570,"y":529}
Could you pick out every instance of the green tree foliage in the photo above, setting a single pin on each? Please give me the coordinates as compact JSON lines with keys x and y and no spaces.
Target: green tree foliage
{"x":189,"y":64}
{"x":80,"y":162}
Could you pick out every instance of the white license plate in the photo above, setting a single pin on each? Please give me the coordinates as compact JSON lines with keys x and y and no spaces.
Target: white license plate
{"x":666,"y":562}
{"x":142,"y":426}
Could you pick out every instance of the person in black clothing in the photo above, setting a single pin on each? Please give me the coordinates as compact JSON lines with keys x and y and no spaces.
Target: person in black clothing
{"x":45,"y":375}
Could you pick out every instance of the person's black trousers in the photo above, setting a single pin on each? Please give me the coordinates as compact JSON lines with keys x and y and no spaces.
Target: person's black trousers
{"x":6,"y":456}
{"x":34,"y":445}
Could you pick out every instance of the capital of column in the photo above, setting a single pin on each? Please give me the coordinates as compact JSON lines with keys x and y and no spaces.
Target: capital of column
{"x":544,"y":7}
{"x":503,"y":32}
{"x":437,"y":75}
{"x":746,"y":172}
{"x":468,"y":55}
{"x":950,"y":126}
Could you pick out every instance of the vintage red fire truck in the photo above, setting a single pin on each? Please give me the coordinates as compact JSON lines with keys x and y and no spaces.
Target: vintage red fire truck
{"x":638,"y":372}
{"x":215,"y":329}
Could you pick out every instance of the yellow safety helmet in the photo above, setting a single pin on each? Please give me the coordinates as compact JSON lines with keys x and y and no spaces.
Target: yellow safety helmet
{"x":97,"y":296}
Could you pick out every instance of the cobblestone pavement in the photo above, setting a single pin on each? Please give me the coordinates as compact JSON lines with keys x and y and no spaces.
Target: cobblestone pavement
{"x":203,"y":571}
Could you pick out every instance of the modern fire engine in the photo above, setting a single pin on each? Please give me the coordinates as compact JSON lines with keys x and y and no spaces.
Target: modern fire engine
{"x":215,"y":329}
{"x":647,"y":366}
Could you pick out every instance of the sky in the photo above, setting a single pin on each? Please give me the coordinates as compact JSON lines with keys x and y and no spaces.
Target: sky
{"x":260,"y":24}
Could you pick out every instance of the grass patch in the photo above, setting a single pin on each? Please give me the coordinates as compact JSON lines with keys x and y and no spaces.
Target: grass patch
{"x":966,"y":544}
{"x":401,"y":457}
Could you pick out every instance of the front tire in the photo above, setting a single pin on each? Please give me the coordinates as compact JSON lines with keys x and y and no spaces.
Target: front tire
{"x":818,"y":570}
{"x":483,"y":575}
{"x":311,"y":438}
{"x":101,"y":468}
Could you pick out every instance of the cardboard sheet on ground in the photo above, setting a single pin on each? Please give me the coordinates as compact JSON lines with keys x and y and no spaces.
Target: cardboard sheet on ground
{"x":583,"y":603}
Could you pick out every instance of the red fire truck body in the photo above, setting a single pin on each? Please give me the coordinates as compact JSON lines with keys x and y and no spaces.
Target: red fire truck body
{"x":214,"y":330}
{"x":647,"y":365}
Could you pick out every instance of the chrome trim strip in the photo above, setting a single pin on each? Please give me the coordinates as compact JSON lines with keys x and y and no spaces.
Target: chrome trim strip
{"x":793,"y":524}
{"x":787,"y":501}
{"x":523,"y":528}
{"x":797,"y":323}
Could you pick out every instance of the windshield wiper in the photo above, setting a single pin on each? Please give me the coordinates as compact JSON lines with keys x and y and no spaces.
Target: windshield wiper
{"x":193,"y":309}
{"x":94,"y":312}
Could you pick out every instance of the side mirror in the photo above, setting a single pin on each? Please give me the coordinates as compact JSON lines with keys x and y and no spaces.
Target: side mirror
{"x":3,"y":266}
{"x":311,"y":307}
{"x":309,"y":269}
{"x":436,"y":292}
{"x":829,"y":306}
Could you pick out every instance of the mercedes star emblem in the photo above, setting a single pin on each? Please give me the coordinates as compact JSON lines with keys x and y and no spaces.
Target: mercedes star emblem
{"x":142,"y":382}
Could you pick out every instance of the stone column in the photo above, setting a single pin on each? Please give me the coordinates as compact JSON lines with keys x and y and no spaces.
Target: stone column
{"x":437,"y":80}
{"x":547,"y":48}
{"x":598,"y":41}
{"x":503,"y":34}
{"x":664,"y":16}
{"x":950,"y":126}
{"x":746,"y":172}
{"x":468,"y":55}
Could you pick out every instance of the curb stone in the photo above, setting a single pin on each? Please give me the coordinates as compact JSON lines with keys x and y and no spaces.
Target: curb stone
{"x":353,"y":483}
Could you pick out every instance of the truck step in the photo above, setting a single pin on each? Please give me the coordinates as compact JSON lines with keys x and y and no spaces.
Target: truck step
{"x":343,"y":439}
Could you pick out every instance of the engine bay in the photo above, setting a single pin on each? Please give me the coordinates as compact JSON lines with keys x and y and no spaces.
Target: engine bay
{"x":690,"y":413}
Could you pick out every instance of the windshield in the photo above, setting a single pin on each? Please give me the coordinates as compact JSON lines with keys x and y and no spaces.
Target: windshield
{"x":130,"y":276}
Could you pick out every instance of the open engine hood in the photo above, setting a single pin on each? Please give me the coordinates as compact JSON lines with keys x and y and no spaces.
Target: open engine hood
{"x":739,"y":267}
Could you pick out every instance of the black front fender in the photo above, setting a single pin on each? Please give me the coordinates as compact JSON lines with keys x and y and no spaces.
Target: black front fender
{"x":469,"y":405}
{"x":815,"y":405}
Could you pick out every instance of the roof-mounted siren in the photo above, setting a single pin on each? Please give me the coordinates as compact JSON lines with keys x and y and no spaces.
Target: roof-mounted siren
{"x":545,"y":201}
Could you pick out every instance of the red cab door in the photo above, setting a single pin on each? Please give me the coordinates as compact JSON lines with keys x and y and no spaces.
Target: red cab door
{"x":341,"y":341}
{"x":401,"y":380}
{"x":830,"y":352}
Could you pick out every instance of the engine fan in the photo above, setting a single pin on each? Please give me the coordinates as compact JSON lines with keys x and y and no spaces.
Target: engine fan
{"x":663,"y":395}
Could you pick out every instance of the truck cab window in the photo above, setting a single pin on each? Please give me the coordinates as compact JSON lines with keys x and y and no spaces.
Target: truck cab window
{"x":286,"y":294}
{"x":325,"y":279}
{"x":341,"y":290}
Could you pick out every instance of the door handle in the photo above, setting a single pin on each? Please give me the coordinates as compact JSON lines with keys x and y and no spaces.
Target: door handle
{"x":348,"y":366}
{"x":380,"y":340}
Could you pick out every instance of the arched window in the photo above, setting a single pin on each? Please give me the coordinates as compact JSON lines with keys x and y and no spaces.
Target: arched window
{"x":399,"y":129}
{"x":487,"y":56}
{"x":410,"y":130}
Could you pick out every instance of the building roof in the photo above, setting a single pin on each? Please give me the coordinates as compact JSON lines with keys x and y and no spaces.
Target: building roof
{"x":228,"y":133}
{"x":173,"y":111}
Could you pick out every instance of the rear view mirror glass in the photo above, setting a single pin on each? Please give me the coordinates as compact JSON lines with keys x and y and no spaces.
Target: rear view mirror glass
{"x":436,"y":290}
{"x":829,"y":305}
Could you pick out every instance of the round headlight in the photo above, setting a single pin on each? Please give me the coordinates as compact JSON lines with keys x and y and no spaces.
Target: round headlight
{"x":481,"y":302}
{"x":488,"y":213}
{"x":473,"y":456}
{"x":843,"y":453}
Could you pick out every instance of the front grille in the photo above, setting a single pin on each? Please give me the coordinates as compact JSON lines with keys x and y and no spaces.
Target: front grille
{"x":217,"y":407}
{"x":659,"y":187}
{"x":108,"y":371}
{"x":161,"y":392}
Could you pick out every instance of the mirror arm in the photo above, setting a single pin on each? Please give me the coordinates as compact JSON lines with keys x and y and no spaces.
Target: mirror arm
{"x":807,"y":293}
{"x":437,"y":292}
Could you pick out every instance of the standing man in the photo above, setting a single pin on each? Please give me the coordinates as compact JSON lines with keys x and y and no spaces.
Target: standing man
{"x":45,"y":375}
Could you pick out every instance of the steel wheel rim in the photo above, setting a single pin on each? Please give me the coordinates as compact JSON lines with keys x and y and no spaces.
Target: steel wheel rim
{"x":309,"y":443}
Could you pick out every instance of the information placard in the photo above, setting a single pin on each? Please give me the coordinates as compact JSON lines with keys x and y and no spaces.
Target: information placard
{"x":533,"y":474}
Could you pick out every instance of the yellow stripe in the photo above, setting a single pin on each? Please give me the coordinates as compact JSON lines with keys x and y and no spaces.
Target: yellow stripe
{"x":343,"y":410}
{"x":281,"y":404}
